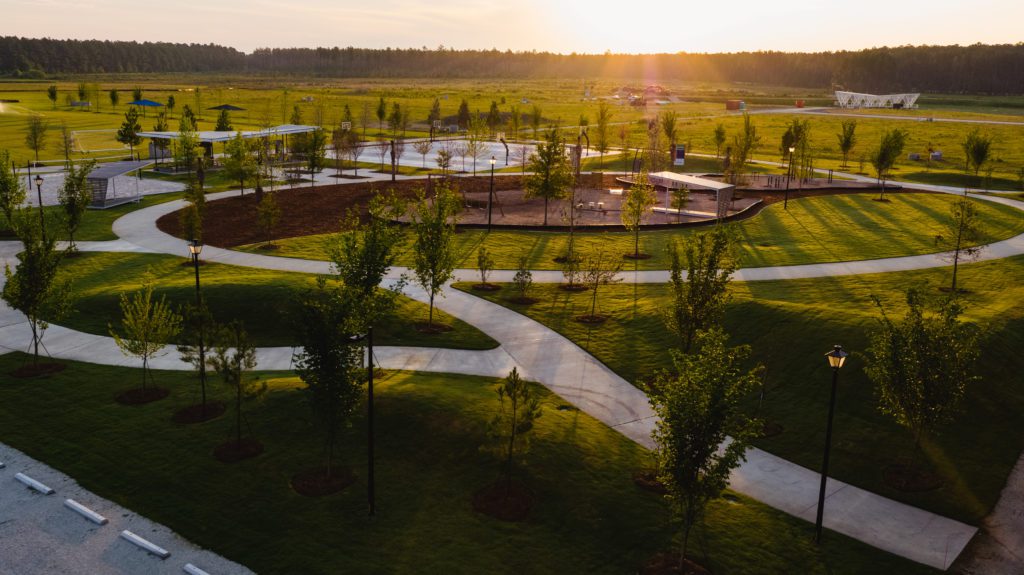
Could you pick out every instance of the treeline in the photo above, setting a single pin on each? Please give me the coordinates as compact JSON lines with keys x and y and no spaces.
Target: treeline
{"x":977,"y":69}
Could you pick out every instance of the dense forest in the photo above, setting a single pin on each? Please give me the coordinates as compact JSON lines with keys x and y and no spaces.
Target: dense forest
{"x":980,"y":69}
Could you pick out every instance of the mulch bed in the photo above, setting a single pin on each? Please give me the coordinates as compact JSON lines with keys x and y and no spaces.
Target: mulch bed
{"x":573,"y":287}
{"x":39,"y":369}
{"x":197,"y":414}
{"x":140,"y":396}
{"x":911,"y":479}
{"x":667,"y":563}
{"x":502,"y":502}
{"x":433,"y":328}
{"x":316,"y":483}
{"x":771,"y":429}
{"x":647,"y":479}
{"x":486,"y":287}
{"x":592,"y":319}
{"x":520,"y":300}
{"x":233,"y":451}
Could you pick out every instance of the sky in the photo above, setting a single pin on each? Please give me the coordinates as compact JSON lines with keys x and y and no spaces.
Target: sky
{"x":563,"y":26}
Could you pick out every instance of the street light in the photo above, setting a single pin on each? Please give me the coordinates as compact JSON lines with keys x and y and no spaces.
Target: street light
{"x":370,"y":487}
{"x":195,"y":247}
{"x":836,"y":359}
{"x":39,"y":194}
{"x":490,"y":195}
{"x":789,"y":171}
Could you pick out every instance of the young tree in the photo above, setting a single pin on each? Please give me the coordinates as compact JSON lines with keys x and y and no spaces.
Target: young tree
{"x":551,"y":175}
{"x":745,"y":144}
{"x":597,"y":271}
{"x":475,"y":147}
{"x":515,"y":121}
{"x":463,"y":115}
{"x":922,"y":365}
{"x":356,"y":149}
{"x":136,"y":94}
{"x":653,"y":158}
{"x":521,"y":155}
{"x":51,"y":93}
{"x":188,"y":118}
{"x":128,"y":134}
{"x":669,"y":127}
{"x":444,"y":159}
{"x":977,"y":149}
{"x":535,"y":120}
{"x":365,"y":116}
{"x":268,"y":214}
{"x":700,"y":292}
{"x":239,"y":163}
{"x":115,"y":97}
{"x":382,"y":112}
{"x":75,"y":196}
{"x":484,"y":263}
{"x":35,"y":134}
{"x":148,"y":325}
{"x":603,"y":130}
{"x":342,"y":143}
{"x":422,"y":148}
{"x":433,"y":228}
{"x":435,"y":112}
{"x":702,"y":433}
{"x":678,"y":198}
{"x":963,"y":230}
{"x":493,"y":117}
{"x":316,"y":154}
{"x":329,"y":362}
{"x":719,"y":137}
{"x":233,"y":355}
{"x":847,"y":139}
{"x":184,"y":148}
{"x":397,"y":150}
{"x":170,"y":103}
{"x":523,"y":280}
{"x":198,"y":332}
{"x":883,"y":158}
{"x":518,"y":408}
{"x":395,"y":118}
{"x":382,"y":148}
{"x":462,"y":150}
{"x":12,"y":190}
{"x":636,"y":206}
{"x":223,"y":122}
{"x":34,"y":288}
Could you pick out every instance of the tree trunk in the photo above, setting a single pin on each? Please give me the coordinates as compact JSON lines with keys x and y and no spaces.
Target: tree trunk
{"x":430,"y":315}
{"x":546,"y":210}
{"x":238,"y":411}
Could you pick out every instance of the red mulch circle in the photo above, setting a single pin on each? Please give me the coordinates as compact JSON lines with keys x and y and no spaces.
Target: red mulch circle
{"x":27,"y":371}
{"x":523,"y":300}
{"x":139,"y":396}
{"x":886,"y":200}
{"x":197,"y":414}
{"x":647,"y":479}
{"x":316,"y":483}
{"x":486,"y":287}
{"x":573,"y":287}
{"x":637,"y":257}
{"x":592,"y":319}
{"x":233,"y":451}
{"x":911,"y":479}
{"x":512,"y":504}
{"x":667,"y":563}
{"x":434,"y":328}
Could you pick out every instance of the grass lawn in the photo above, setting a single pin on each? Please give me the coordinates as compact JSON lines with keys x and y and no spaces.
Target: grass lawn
{"x":819,"y":229}
{"x":588,"y":516}
{"x":260,"y":298}
{"x":791,"y":324}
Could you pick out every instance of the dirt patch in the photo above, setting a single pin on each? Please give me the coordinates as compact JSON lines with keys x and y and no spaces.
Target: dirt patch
{"x":647,"y":479}
{"x":503,"y":501}
{"x":433,"y":328}
{"x":38,"y":370}
{"x":667,"y":563}
{"x":198,"y":414}
{"x":592,"y":319}
{"x":486,"y":287}
{"x":910,"y":478}
{"x":317,"y":483}
{"x":139,"y":396}
{"x":771,"y":428}
{"x":234,"y":451}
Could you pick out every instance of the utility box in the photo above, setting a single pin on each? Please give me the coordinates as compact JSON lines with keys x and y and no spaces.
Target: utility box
{"x":735,"y":105}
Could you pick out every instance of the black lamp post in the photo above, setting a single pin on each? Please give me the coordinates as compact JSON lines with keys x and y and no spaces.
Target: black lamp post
{"x":39,"y":195}
{"x":789,"y":171}
{"x":490,"y":194}
{"x":195,"y":247}
{"x":370,"y":491}
{"x":836,"y":359}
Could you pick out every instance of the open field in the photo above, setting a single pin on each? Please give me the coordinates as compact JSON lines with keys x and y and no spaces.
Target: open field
{"x":790,"y":324}
{"x":588,"y":515}
{"x":261,"y":299}
{"x":816,"y":229}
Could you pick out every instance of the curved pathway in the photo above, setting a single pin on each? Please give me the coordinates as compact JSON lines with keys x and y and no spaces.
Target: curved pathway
{"x":552,"y":360}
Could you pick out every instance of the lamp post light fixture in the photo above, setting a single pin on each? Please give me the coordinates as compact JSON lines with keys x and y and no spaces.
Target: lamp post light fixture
{"x":490,"y":194}
{"x":39,"y":195}
{"x":836,"y":359}
{"x":789,"y":172}
{"x":195,"y":247}
{"x":370,"y":486}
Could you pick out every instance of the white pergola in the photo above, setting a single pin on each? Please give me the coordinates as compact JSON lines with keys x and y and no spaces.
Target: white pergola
{"x":674,"y":181}
{"x":858,"y":100}
{"x":211,"y":137}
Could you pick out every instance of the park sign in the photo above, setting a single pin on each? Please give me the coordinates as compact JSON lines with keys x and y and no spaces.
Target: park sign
{"x":678,"y":155}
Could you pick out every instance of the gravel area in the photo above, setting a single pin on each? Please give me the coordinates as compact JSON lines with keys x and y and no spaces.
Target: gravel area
{"x":39,"y":535}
